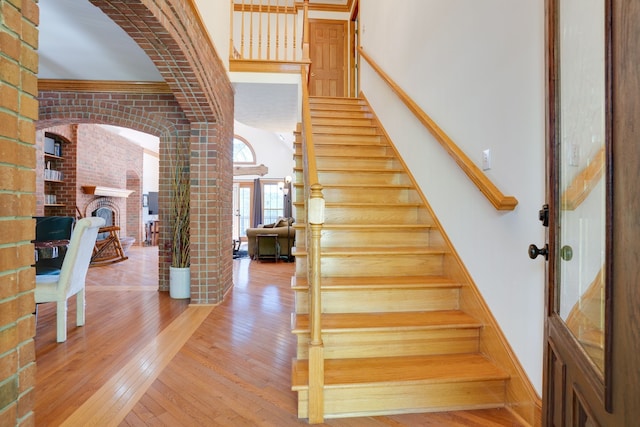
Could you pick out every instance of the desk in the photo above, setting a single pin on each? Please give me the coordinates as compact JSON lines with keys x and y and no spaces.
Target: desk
{"x":152,"y":230}
{"x":49,"y":255}
{"x":267,"y":247}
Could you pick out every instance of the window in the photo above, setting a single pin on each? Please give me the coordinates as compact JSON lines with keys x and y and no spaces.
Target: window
{"x":272,"y":202}
{"x":242,"y":151}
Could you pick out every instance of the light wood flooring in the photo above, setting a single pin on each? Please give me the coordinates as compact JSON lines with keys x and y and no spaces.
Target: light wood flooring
{"x":143,"y":359}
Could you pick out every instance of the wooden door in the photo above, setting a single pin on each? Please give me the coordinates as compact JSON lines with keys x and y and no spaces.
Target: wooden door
{"x":328,"y":47}
{"x":592,"y":324}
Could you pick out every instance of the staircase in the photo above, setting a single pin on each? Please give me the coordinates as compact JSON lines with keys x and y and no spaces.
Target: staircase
{"x":395,"y":338}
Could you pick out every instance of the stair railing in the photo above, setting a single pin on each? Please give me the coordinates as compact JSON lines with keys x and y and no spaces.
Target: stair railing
{"x":484,"y":184}
{"x":265,"y":30}
{"x":315,"y":205}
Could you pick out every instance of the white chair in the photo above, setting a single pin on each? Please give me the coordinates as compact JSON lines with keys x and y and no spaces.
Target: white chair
{"x":71,"y":278}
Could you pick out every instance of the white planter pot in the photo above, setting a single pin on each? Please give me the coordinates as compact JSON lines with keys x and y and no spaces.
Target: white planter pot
{"x":179,"y":282}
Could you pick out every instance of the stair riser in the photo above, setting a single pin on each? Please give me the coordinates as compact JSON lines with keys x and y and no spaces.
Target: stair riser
{"x":392,"y":214}
{"x":348,"y":345}
{"x":378,"y":238}
{"x":355,"y":140}
{"x":380,"y":265}
{"x":357,"y":164}
{"x":344,"y":129}
{"x":381,"y":300}
{"x":342,"y":150}
{"x":363,"y":177}
{"x":341,"y":121}
{"x":369,"y":195}
{"x":338,"y":113}
{"x":381,"y":399}
{"x":342,"y":105}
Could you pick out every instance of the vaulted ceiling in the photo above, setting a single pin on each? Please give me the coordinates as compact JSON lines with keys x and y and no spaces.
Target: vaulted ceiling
{"x":79,"y":42}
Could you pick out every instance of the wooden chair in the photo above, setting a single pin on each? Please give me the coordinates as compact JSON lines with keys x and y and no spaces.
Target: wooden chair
{"x":70,"y":280}
{"x":109,"y":249}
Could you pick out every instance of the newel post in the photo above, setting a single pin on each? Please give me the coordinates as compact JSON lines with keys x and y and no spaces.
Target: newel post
{"x":316,"y":347}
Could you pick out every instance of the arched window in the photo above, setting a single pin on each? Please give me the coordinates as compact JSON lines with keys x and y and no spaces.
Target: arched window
{"x":242,"y":151}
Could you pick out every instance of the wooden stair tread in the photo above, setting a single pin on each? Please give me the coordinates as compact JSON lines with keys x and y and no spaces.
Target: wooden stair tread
{"x":349,"y":185}
{"x":393,"y":370}
{"x":378,"y":282}
{"x":344,"y":322}
{"x":377,"y":227}
{"x":387,"y":250}
{"x":360,"y":170}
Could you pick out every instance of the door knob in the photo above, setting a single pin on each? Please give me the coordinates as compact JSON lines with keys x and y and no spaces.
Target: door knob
{"x":534,"y":251}
{"x":313,"y":74}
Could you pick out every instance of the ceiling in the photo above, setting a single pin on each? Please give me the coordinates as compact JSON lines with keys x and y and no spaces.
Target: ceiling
{"x":79,"y":42}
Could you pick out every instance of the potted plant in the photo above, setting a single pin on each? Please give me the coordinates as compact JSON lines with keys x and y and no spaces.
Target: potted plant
{"x":179,"y":272}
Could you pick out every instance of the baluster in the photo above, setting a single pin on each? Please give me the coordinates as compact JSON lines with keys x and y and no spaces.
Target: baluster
{"x":269,"y":30}
{"x":242,"y":30}
{"x":295,"y":32}
{"x":251,"y":30}
{"x":277,"y":29}
{"x":260,"y":30}
{"x":286,"y":30}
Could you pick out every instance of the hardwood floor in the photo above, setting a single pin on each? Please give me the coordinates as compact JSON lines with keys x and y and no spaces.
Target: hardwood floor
{"x":128,"y":365}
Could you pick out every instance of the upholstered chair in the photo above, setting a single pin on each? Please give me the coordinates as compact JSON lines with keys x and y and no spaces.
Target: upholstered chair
{"x":70,"y":279}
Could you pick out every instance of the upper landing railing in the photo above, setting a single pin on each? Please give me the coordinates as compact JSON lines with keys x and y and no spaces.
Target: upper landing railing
{"x":268,"y":35}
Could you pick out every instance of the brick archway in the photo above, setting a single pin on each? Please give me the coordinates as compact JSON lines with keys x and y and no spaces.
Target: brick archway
{"x":199,"y":112}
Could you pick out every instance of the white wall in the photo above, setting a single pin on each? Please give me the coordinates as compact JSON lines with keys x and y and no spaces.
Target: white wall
{"x":216,"y":15}
{"x":270,"y":150}
{"x":477,"y":68}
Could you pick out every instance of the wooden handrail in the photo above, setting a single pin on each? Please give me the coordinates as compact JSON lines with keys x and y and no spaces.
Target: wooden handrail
{"x":484,"y":184}
{"x":584,"y":182}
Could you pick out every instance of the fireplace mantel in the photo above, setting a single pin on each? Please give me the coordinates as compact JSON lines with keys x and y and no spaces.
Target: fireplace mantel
{"x":106,"y":191}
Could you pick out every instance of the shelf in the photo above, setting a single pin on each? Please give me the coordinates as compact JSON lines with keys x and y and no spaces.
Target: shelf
{"x":52,"y":156}
{"x":106,"y":191}
{"x":53,"y":180}
{"x":53,"y":205}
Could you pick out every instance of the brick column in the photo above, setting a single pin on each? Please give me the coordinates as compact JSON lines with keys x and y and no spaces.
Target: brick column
{"x":18,"y":110}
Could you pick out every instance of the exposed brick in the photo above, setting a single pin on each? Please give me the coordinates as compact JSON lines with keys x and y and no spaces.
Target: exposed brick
{"x":29,"y":106}
{"x":8,"y":338}
{"x":29,"y":58}
{"x":17,"y":154}
{"x":26,"y":130}
{"x":29,"y":82}
{"x":8,"y":365}
{"x":8,"y":97}
{"x":8,"y":392}
{"x":15,"y":257}
{"x":9,"y":415}
{"x":30,"y":34}
{"x":25,"y":406}
{"x":9,"y":71}
{"x":30,"y":11}
{"x":17,"y":204}
{"x":27,"y":325}
{"x":15,"y":230}
{"x":26,"y":353}
{"x":8,"y":285}
{"x":12,"y":18}
{"x":10,"y":45}
{"x":26,"y":279}
{"x":27,"y":378}
{"x":8,"y":124}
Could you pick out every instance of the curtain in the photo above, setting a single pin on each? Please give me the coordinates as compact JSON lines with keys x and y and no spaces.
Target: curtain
{"x":257,"y":203}
{"x":287,"y":201}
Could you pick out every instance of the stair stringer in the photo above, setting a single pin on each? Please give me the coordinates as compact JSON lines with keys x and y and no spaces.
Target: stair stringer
{"x":522,"y":399}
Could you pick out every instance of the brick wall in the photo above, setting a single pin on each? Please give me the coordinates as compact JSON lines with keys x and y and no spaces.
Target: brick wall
{"x":93,"y":156}
{"x":18,"y":110}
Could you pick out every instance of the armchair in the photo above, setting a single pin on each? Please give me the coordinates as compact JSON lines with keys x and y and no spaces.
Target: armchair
{"x":70,"y":280}
{"x":283,"y":227}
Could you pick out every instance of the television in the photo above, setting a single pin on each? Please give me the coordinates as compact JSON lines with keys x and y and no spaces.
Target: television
{"x":153,"y":203}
